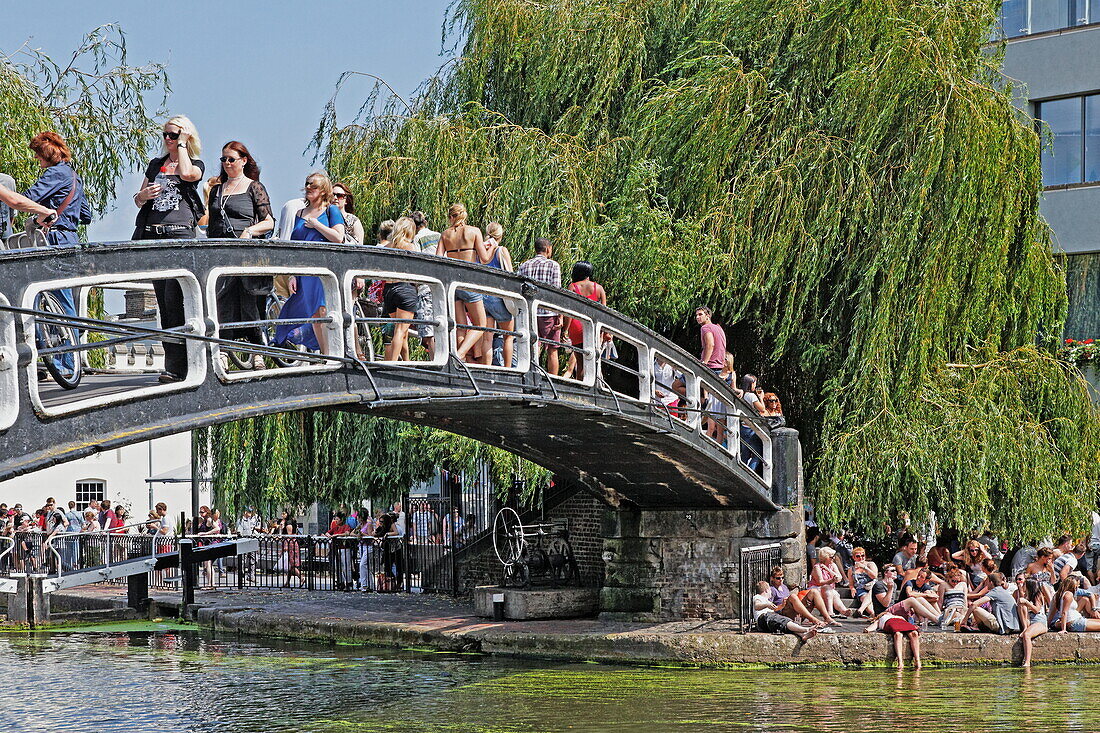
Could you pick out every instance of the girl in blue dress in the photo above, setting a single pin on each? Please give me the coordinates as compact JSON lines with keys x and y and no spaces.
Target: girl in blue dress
{"x":319,"y":221}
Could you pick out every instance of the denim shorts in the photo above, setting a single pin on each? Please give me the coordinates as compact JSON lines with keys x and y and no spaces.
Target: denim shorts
{"x":495,"y":309}
{"x":467,"y":296}
{"x":1077,"y":625}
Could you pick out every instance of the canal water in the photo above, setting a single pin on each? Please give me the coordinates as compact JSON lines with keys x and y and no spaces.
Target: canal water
{"x":164,"y":679}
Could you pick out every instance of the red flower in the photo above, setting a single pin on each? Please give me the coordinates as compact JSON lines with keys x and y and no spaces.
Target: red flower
{"x":1088,"y":341}
{"x":1069,"y":341}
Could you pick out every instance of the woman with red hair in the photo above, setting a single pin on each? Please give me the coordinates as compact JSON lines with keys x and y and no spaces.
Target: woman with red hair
{"x":59,"y":188}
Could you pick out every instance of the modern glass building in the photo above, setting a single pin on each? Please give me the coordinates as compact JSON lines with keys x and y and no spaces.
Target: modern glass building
{"x":1053,"y":53}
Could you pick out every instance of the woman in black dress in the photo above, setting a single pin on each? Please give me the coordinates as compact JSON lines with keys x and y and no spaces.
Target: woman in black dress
{"x":240,"y":209}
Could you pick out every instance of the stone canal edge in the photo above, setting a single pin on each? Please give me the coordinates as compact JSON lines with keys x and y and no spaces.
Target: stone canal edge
{"x":451,"y":627}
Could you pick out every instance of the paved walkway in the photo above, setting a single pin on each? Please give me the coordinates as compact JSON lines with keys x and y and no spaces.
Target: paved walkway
{"x":441,"y":623}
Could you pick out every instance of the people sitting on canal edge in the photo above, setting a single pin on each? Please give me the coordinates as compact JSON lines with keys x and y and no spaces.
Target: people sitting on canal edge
{"x":966,"y":591}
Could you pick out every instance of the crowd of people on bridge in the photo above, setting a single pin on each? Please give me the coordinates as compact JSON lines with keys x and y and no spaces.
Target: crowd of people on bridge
{"x":177,"y":201}
{"x":928,"y":578}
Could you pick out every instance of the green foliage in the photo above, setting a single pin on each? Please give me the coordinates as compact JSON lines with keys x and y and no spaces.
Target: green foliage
{"x":847,"y":181}
{"x":293,"y":459}
{"x":94,"y":99}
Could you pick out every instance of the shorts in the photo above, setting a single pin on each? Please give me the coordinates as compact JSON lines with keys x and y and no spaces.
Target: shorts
{"x":897,"y":626}
{"x":549,"y":328}
{"x":771,"y":622}
{"x":1078,"y":624}
{"x":1038,"y":618}
{"x":898,"y":609}
{"x":495,"y":309}
{"x":860,"y":592}
{"x":398,"y":296}
{"x":468,"y":296}
{"x":425,"y":311}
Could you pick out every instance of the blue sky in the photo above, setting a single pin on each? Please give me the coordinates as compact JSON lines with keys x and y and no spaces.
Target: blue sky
{"x":259,"y":72}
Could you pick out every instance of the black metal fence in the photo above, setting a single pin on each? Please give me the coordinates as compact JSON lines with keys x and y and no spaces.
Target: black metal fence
{"x":754,"y":565}
{"x":456,"y":511}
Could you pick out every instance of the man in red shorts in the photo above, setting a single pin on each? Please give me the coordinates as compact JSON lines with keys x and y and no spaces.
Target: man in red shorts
{"x":541,"y":268}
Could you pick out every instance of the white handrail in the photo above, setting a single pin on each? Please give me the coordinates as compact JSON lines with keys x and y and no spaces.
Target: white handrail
{"x":69,"y":535}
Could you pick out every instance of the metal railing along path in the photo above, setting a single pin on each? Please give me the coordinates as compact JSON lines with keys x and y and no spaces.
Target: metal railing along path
{"x":754,"y":564}
{"x":604,"y":426}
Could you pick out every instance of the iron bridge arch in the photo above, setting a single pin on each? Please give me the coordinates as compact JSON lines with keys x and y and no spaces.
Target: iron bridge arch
{"x":608,"y":430}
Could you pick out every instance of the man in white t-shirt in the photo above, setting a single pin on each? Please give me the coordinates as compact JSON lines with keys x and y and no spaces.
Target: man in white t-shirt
{"x":767,"y":620}
{"x":1094,"y":548}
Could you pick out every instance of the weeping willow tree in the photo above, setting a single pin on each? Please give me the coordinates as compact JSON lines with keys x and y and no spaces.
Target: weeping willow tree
{"x":293,"y":459}
{"x":846,"y":182}
{"x":95,"y":99}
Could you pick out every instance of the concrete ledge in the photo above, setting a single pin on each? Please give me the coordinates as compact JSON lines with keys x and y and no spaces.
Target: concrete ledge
{"x":707,"y":649}
{"x":421,"y":622}
{"x":528,"y":604}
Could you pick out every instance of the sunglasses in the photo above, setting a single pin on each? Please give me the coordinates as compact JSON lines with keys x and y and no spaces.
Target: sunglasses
{"x":340,"y":195}
{"x":171,"y":135}
{"x":229,"y":160}
{"x":312,"y":187}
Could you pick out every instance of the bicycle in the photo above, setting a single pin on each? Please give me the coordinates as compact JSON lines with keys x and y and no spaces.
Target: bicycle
{"x":67,"y":367}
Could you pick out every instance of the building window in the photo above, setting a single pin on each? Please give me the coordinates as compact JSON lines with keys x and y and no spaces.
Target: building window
{"x":1024,"y":17}
{"x":1074,"y":154}
{"x":90,"y":490}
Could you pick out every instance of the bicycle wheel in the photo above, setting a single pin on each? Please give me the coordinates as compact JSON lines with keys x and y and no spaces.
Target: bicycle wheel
{"x":364,"y":344}
{"x":239,"y":359}
{"x":66,"y":369}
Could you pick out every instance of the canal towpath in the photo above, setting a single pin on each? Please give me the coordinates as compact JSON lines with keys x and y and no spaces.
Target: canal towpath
{"x":445,"y":624}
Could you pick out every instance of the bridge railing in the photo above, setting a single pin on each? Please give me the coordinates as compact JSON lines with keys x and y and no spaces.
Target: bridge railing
{"x":605,"y":352}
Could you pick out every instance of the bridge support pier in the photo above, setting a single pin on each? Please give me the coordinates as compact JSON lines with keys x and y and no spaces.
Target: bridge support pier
{"x":670,"y":564}
{"x":29,"y":604}
{"x":137,"y":592}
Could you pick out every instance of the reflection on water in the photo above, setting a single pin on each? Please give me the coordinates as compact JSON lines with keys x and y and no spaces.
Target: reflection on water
{"x":189,"y":681}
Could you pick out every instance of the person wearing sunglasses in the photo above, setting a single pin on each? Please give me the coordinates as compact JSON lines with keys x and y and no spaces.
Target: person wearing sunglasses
{"x":345,"y":201}
{"x":318,"y":221}
{"x":860,"y":577}
{"x":170,"y":208}
{"x":240,"y":209}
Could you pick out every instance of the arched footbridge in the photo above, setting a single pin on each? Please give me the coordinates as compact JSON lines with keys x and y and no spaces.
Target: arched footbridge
{"x":640,"y":421}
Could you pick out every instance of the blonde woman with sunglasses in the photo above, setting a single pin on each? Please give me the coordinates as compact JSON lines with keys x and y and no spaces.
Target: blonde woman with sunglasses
{"x":318,"y":221}
{"x":170,"y":208}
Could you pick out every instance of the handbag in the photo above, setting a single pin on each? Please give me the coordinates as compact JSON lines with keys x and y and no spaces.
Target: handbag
{"x":31,"y":236}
